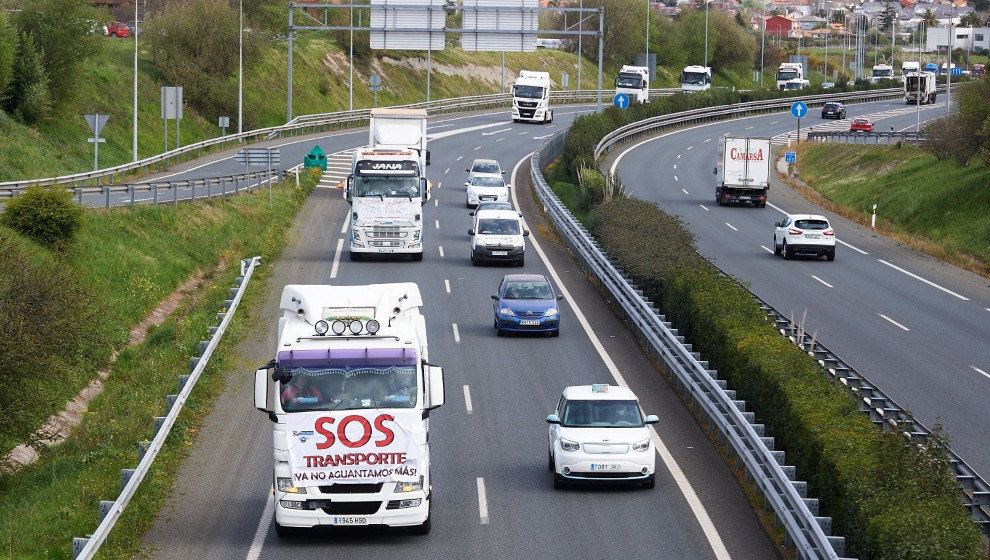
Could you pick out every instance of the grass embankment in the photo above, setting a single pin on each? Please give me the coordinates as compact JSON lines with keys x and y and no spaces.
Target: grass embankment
{"x":132,"y":259}
{"x":940,"y":207}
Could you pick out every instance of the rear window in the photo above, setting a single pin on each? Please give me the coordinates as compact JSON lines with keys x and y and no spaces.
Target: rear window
{"x":811,"y":224}
{"x":485,"y":168}
{"x":832,"y":105}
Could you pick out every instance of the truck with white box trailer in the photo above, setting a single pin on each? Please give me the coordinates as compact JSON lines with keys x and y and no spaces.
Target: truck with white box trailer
{"x":531,"y":97}
{"x":745,"y":171}
{"x":350,"y":390}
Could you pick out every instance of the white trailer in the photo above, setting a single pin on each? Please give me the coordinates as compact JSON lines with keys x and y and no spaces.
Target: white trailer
{"x":745,"y":171}
{"x":632,"y":81}
{"x":531,"y":97}
{"x":696,"y":78}
{"x":350,"y":390}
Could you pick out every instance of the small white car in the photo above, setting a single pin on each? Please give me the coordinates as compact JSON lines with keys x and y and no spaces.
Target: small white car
{"x":806,"y":234}
{"x":486,"y":187}
{"x":498,"y":236}
{"x":488,"y":166}
{"x":598,"y":434}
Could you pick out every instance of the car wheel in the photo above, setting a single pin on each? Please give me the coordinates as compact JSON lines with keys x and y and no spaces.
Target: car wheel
{"x":650,"y":482}
{"x":843,"y":114}
{"x":788,"y":253}
{"x":498,"y":331}
{"x":555,"y":332}
{"x":830,"y":256}
{"x":354,"y":256}
{"x":776,"y":248}
{"x":474,"y":261}
{"x":521,"y":261}
{"x":550,"y":464}
{"x":558,"y":481}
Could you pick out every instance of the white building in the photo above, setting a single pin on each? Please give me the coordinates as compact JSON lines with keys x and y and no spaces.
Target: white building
{"x":965,"y":38}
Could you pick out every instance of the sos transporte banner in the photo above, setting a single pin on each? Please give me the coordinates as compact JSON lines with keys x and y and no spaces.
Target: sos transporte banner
{"x":355,"y":446}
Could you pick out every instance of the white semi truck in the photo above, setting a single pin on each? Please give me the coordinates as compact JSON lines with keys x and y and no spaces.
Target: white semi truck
{"x":745,"y":165}
{"x":632,"y":81}
{"x":350,"y":390}
{"x":790,"y":75}
{"x":882,"y":72}
{"x":387,"y":187}
{"x":919,"y":88}
{"x":531,"y":97}
{"x":696,"y":78}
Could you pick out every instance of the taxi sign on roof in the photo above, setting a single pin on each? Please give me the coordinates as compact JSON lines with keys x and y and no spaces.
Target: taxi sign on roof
{"x":599,"y":388}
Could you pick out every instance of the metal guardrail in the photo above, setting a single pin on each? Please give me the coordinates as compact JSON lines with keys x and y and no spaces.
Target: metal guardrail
{"x":874,"y":138}
{"x":130,"y":479}
{"x":655,"y":124}
{"x":698,"y":385}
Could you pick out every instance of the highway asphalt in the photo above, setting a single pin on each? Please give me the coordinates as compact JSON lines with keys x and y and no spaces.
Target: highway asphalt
{"x":221,"y":498}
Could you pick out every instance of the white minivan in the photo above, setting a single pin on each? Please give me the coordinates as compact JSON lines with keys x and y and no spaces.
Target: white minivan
{"x":486,"y":187}
{"x":498,"y":236}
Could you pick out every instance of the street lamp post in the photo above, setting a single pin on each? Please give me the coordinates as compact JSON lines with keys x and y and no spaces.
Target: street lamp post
{"x":240,"y":67}
{"x":135,"y":131}
{"x":707,"y":2}
{"x":763,"y":41}
{"x":648,"y":49}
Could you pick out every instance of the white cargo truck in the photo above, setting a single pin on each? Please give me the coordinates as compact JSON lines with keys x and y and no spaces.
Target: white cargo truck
{"x":909,"y":66}
{"x":531,"y":97}
{"x":788,"y":72}
{"x":387,"y":187}
{"x":745,"y":169}
{"x":696,"y":78}
{"x":632,"y":81}
{"x":919,"y":88}
{"x":350,"y":390}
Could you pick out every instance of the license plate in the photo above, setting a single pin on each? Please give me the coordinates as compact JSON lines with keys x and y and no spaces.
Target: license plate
{"x":489,"y":197}
{"x":744,"y":197}
{"x":605,"y":466}
{"x":499,"y":253}
{"x":529,"y":322}
{"x":350,"y":520}
{"x":812,"y":236}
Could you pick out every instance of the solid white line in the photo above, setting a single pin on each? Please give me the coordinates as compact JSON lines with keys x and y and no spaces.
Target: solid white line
{"x":930,"y":283}
{"x":767,"y":249}
{"x":675,"y":178}
{"x":703,"y":207}
{"x":685,"y":191}
{"x":732,"y":227}
{"x":981,"y":372}
{"x":336,"y":258}
{"x":457,"y":335}
{"x":441,"y":251}
{"x":446,"y":285}
{"x":697,"y":508}
{"x":263,"y":527}
{"x":895,"y":323}
{"x":467,"y":400}
{"x":822,"y":281}
{"x":347,"y":223}
{"x":143,"y":199}
{"x":482,"y":502}
{"x":438,"y":224}
{"x":857,"y":249}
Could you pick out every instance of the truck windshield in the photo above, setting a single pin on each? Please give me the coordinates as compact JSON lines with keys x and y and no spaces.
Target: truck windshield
{"x":528,"y":92}
{"x":347,"y":388}
{"x":883,"y":73}
{"x":629,"y":81}
{"x":601,"y":414}
{"x":386,"y":186}
{"x":787,"y":75}
{"x":794,"y":85}
{"x":694,"y":78}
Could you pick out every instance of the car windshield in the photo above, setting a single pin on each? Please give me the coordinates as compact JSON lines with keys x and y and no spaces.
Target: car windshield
{"x":794,"y":85}
{"x":527,"y":290}
{"x":487,"y":182}
{"x":528,"y":92}
{"x":386,"y":186}
{"x":493,"y":226}
{"x":601,"y":414}
{"x":811,"y":224}
{"x":349,"y":388}
{"x":485,"y":167}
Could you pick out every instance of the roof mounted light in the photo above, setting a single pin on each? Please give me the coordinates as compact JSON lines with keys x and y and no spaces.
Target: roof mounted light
{"x":338,"y":327}
{"x":355,"y":326}
{"x":373,"y":326}
{"x":322,"y":327}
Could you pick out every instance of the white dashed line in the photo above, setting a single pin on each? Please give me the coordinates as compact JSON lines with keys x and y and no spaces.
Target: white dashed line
{"x":981,"y":372}
{"x":689,"y":147}
{"x":675,"y":166}
{"x":703,"y":207}
{"x":767,"y":249}
{"x":675,"y":178}
{"x":457,"y":335}
{"x":678,"y":156}
{"x":857,"y":249}
{"x":749,"y":128}
{"x":930,"y":283}
{"x":478,"y":148}
{"x":436,"y":202}
{"x":893,"y":322}
{"x":500,"y":139}
{"x":685,"y":191}
{"x":822,"y":281}
{"x":336,"y":258}
{"x":441,"y":251}
{"x":446,"y":285}
{"x":708,"y":140}
{"x":438,"y":224}
{"x":732,"y":227}
{"x":440,"y":184}
{"x":447,"y":170}
{"x":467,"y":400}
{"x":774,"y":122}
{"x":459,"y":158}
{"x":482,"y":502}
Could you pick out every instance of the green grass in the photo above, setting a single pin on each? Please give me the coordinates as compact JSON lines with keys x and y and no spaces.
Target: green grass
{"x":48,"y":503}
{"x":942,"y":205}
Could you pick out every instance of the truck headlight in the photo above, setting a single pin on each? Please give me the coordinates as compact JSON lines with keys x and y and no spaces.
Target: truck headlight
{"x":506,"y":311}
{"x":642,"y":445}
{"x":552,"y":312}
{"x":402,"y":487}
{"x":292,"y":504}
{"x":284,"y":484}
{"x":568,"y":445}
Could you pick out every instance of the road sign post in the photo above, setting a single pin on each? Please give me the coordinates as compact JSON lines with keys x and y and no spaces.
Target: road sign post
{"x":96,"y":123}
{"x":224,"y":122}
{"x":376,"y":85}
{"x":799,"y":109}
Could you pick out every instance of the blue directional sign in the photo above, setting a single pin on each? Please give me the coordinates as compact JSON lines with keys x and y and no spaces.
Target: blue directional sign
{"x":799,"y":109}
{"x":790,"y":157}
{"x":621,"y":100}
{"x":956,"y":71}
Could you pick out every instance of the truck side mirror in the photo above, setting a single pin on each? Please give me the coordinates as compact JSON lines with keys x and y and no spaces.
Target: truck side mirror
{"x":437,"y":393}
{"x":264,"y":392}
{"x":471,"y":232}
{"x":425,"y":189}
{"x":715,"y":170}
{"x":348,"y":188}
{"x":427,"y":157}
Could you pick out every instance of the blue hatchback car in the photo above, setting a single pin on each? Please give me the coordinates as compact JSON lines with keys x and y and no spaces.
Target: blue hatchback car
{"x":526,"y":303}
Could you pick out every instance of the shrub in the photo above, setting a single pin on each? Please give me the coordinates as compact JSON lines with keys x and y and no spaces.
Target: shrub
{"x":50,"y":217}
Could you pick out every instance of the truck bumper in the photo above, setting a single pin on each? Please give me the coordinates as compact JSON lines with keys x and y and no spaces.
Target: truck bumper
{"x":328,"y":516}
{"x":756,"y":196}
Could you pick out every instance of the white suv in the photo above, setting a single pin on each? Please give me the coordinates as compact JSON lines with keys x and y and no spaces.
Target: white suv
{"x":804,"y":234}
{"x":598,"y":434}
{"x":498,"y":235}
{"x":486,"y":186}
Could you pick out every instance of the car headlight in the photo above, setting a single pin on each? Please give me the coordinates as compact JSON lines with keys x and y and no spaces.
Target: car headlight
{"x":506,"y":311}
{"x":402,"y":487}
{"x":552,"y":312}
{"x":284,"y":484}
{"x":641,"y":445}
{"x":568,"y":445}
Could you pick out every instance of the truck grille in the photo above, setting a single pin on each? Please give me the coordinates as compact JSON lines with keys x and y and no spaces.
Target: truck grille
{"x":526,"y":103}
{"x":345,"y":488}
{"x":351,"y":508}
{"x":387,"y":232}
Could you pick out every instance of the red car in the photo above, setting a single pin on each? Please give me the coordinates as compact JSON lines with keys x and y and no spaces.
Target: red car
{"x":861,"y":125}
{"x":117,"y":29}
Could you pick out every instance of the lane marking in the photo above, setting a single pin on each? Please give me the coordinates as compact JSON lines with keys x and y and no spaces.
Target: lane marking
{"x":685,"y":191}
{"x":459,"y":158}
{"x":440,"y":184}
{"x":678,"y":156}
{"x":457,"y":335}
{"x":500,"y":139}
{"x":747,"y":128}
{"x":709,"y":139}
{"x":438,"y":224}
{"x":857,"y":249}
{"x":981,"y":372}
{"x":336,"y":258}
{"x":441,"y":251}
{"x":697,"y":508}
{"x":895,"y":323}
{"x":703,"y":207}
{"x":446,"y":285}
{"x":675,"y":178}
{"x":447,"y":170}
{"x":774,"y":122}
{"x":767,"y":249}
{"x":478,"y":148}
{"x":263,"y":527}
{"x":822,"y":281}
{"x":690,"y":147}
{"x":467,"y":400}
{"x":436,"y":202}
{"x":929,"y":282}
{"x":495,"y":131}
{"x":347,"y":223}
{"x":675,"y":166}
{"x":482,"y":502}
{"x":732,"y":227}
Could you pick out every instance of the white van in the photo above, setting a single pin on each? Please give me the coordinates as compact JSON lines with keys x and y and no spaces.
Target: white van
{"x":498,"y":236}
{"x":484,"y":187}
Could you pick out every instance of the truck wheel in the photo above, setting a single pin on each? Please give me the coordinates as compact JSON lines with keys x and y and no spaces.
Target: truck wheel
{"x":423,"y":529}
{"x":515,"y":120}
{"x":416,"y":257}
{"x":355,"y":256}
{"x":551,"y":117}
{"x":282,"y":531}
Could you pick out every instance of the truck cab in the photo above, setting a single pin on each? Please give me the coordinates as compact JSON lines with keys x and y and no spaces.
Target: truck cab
{"x":882,"y":72}
{"x":919,"y":88}
{"x":696,"y":78}
{"x":789,"y":71}
{"x":349,"y":391}
{"x":633,"y":81}
{"x":531,"y":97}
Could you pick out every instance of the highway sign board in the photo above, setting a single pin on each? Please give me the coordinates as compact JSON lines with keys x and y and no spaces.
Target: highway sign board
{"x":790,"y":157}
{"x":258,"y":156}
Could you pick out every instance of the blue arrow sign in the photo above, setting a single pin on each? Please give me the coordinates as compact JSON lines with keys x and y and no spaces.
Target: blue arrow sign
{"x":799,"y":109}
{"x":621,"y":100}
{"x":790,"y":157}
